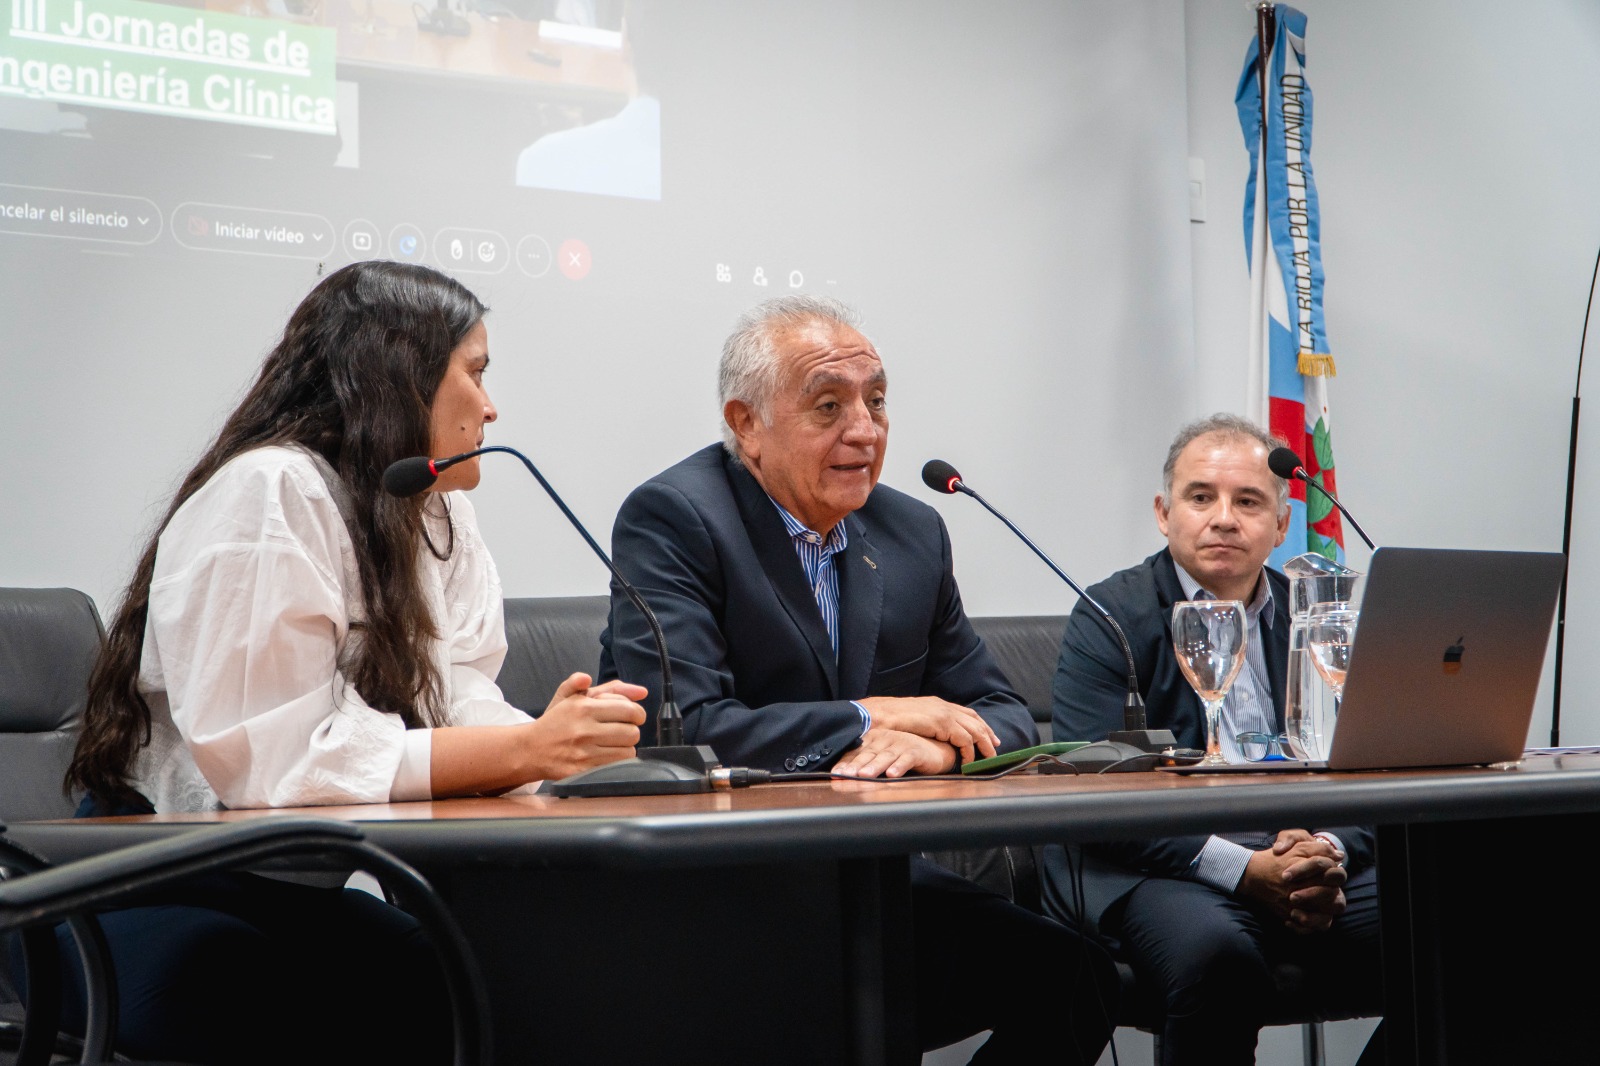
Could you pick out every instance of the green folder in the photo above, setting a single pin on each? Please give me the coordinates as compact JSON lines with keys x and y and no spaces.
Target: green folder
{"x":1009,"y":758}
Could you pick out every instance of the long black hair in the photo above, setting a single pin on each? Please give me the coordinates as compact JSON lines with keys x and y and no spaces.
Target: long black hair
{"x":353,"y":379}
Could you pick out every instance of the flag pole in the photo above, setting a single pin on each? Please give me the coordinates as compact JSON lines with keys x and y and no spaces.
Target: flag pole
{"x":1259,"y":387}
{"x":1266,"y":31}
{"x":1566,"y":524}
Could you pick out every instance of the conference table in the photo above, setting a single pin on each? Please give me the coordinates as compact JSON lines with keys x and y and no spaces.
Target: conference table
{"x":771,"y":923}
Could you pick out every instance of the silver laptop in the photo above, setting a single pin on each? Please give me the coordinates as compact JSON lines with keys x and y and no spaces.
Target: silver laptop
{"x":1446,"y":661}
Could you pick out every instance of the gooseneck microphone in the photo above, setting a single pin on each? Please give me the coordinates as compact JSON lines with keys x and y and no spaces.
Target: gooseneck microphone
{"x":408,"y":477}
{"x":1286,"y":464}
{"x":418,"y":473}
{"x":940,"y":476}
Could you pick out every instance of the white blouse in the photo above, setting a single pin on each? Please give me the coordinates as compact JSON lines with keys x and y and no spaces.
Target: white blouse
{"x":254,"y":592}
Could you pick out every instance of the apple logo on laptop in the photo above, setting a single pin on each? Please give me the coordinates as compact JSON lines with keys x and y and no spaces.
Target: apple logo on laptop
{"x":1452,"y":656}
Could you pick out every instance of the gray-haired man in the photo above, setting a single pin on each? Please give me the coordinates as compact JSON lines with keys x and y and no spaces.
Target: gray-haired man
{"x":1201,"y":918}
{"x":815,"y":624}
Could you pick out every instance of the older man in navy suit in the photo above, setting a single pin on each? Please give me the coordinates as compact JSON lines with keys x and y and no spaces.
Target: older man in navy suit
{"x":815,"y":624}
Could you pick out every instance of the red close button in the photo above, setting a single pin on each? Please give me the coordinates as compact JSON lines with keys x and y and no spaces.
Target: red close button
{"x":573,"y":258}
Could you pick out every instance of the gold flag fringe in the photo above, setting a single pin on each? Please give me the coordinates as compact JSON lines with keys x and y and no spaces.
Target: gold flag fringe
{"x":1317,"y":365}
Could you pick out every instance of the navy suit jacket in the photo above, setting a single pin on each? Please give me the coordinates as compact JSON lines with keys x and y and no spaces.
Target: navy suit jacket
{"x":753,"y":672}
{"x":1089,"y":687}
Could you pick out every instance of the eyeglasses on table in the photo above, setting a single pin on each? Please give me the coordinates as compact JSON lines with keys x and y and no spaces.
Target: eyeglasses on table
{"x":1263,"y":747}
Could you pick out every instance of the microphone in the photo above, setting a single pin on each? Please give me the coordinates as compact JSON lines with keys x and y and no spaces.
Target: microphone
{"x":408,"y":477}
{"x":940,"y":476}
{"x":1286,"y":464}
{"x":417,"y":474}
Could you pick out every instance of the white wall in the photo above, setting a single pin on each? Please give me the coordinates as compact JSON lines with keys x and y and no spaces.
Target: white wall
{"x":1456,"y":151}
{"x":1020,"y":285}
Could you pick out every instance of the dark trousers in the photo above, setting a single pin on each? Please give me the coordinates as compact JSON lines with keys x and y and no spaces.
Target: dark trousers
{"x":237,"y":969}
{"x":979,"y":958}
{"x":1210,"y":956}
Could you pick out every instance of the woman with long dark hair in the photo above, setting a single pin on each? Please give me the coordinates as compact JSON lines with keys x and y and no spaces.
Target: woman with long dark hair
{"x":293,"y":636}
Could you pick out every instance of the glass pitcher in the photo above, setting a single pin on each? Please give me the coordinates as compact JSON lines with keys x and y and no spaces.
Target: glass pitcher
{"x":1308,"y":713}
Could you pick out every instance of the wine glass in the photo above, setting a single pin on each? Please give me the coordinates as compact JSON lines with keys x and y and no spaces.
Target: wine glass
{"x":1209,"y":639}
{"x":1331,"y":634}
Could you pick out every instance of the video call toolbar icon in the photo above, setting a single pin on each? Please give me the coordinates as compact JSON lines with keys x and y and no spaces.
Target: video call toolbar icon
{"x":361,"y":239}
{"x":574,"y":259}
{"x":406,"y":243}
{"x":245,"y":230}
{"x":533,"y":255}
{"x":473,"y":251}
{"x":79,"y":215}
{"x":796,"y":277}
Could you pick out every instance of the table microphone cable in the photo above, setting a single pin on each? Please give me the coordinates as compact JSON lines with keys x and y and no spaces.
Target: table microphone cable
{"x":1181,"y":757}
{"x":726,"y":777}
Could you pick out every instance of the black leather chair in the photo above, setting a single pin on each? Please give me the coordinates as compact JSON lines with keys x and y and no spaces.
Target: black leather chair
{"x":28,"y":1038}
{"x":48,"y":641}
{"x":1026,"y":646}
{"x":44,"y":895}
{"x":547,"y":638}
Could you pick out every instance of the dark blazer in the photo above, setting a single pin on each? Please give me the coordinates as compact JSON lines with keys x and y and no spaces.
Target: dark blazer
{"x":1090,"y":684}
{"x":753,"y":672}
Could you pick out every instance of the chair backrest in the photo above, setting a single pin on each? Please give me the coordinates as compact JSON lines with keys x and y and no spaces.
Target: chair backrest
{"x":74,"y":892}
{"x":549,"y":637}
{"x":48,"y":642}
{"x":1026,"y":646}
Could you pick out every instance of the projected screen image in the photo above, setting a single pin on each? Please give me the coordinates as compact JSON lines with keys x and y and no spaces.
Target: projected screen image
{"x":604,"y":142}
{"x":464,"y":135}
{"x":276,"y":65}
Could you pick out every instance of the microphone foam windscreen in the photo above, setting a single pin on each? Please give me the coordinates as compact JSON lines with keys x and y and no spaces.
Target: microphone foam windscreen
{"x":409,"y":476}
{"x":939,"y":475}
{"x":1283,"y":462}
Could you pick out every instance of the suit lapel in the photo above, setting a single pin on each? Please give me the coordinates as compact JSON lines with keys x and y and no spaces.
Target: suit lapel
{"x":860,"y":609}
{"x":782,"y":567}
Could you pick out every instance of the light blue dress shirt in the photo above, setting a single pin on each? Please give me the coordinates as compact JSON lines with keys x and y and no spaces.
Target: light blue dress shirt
{"x":816,"y":554}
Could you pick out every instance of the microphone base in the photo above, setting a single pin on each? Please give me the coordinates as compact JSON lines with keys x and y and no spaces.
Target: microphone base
{"x":632,"y":777}
{"x":1103,"y":757}
{"x":697,"y":757}
{"x":1156,"y":740}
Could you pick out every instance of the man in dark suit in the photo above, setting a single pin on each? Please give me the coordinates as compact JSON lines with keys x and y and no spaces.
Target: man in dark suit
{"x":814,"y":624}
{"x":1203,"y":918}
